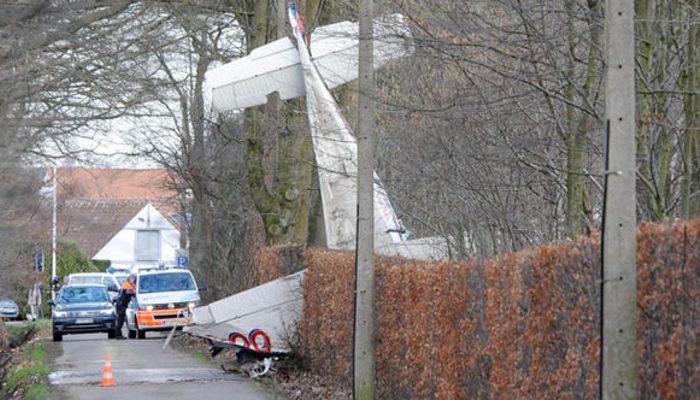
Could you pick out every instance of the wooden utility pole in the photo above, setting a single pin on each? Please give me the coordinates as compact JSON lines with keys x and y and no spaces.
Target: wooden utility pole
{"x":363,"y":351}
{"x":619,"y":377}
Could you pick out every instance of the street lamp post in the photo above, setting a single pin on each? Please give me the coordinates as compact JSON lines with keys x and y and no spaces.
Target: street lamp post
{"x":53,"y":237}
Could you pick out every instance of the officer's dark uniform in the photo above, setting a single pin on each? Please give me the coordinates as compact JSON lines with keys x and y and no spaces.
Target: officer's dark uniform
{"x":126,"y":292}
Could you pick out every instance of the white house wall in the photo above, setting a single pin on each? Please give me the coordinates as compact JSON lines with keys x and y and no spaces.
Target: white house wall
{"x":169,"y":243}
{"x":120,"y":250}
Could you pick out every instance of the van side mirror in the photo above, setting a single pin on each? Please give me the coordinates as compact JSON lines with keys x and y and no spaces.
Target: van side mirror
{"x":51,"y":303}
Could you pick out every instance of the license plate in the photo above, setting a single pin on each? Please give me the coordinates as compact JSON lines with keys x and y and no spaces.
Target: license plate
{"x":83,"y":321}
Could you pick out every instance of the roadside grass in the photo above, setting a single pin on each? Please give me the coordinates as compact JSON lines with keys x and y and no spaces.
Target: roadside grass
{"x":19,"y":333}
{"x":28,"y":377}
{"x":202,"y":357}
{"x":43,"y":324}
{"x":197,"y":349}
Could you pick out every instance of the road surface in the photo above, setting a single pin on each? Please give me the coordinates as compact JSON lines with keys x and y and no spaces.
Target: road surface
{"x":142,"y":370}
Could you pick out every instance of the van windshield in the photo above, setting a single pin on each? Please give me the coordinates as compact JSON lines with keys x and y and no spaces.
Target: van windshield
{"x":168,"y":282}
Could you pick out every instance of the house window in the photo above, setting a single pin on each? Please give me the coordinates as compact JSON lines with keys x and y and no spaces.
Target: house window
{"x":147,"y":246}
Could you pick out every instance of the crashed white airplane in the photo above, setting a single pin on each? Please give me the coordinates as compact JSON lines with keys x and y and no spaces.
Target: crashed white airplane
{"x":291,"y":71}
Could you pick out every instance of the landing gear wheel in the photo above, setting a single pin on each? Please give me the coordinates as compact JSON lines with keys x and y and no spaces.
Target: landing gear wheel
{"x":263,"y":347}
{"x":238,"y":339}
{"x":57,"y":337}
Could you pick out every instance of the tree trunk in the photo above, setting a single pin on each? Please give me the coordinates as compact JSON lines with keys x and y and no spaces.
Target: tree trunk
{"x":690,"y":200}
{"x":283,"y":199}
{"x":576,"y":143}
{"x":654,"y":141}
{"x":202,"y":246}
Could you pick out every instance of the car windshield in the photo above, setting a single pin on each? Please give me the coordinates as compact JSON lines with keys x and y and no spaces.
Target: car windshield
{"x":92,"y":294}
{"x":85,"y":279}
{"x":169,"y":282}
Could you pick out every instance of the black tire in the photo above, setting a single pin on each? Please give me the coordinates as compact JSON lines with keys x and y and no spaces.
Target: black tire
{"x":57,"y":337}
{"x":131,"y":334}
{"x":111,"y":334}
{"x":141,"y":334}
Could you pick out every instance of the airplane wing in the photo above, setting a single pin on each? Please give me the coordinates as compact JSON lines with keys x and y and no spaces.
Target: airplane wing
{"x":276,"y":67}
{"x":273,"y":307}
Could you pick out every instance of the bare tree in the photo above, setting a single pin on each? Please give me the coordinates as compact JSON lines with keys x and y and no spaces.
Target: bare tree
{"x":493,"y":130}
{"x":49,"y":56}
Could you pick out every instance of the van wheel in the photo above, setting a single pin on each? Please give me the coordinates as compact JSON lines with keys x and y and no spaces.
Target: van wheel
{"x":142,"y":334}
{"x":57,"y":337}
{"x":111,"y":334}
{"x":131,"y":334}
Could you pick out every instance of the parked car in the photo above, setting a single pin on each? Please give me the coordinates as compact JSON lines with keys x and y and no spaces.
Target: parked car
{"x":8,"y":309}
{"x":164,"y":299}
{"x":108,"y":280}
{"x":84,"y":308}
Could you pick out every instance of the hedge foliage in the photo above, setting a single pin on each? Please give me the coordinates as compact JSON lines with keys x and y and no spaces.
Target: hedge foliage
{"x":278,"y":261}
{"x":524,"y":325}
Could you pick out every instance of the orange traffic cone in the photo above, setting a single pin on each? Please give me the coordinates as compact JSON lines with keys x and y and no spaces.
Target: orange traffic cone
{"x":107,"y":376}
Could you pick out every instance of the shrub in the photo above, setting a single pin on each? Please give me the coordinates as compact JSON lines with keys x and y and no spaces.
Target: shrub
{"x":523,"y":325}
{"x":72,"y":260}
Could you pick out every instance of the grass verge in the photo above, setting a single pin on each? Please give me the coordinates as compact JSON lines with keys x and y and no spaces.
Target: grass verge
{"x":28,"y":375}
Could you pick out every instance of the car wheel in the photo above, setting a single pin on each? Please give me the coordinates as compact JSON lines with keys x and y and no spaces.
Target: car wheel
{"x":142,"y":334}
{"x":57,"y":337}
{"x":131,"y":334}
{"x":111,"y":334}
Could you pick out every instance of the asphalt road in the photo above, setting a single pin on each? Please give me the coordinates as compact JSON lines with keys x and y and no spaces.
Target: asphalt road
{"x":142,"y":370}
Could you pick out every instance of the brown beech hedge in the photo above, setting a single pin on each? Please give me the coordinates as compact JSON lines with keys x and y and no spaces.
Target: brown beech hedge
{"x":521,"y":326}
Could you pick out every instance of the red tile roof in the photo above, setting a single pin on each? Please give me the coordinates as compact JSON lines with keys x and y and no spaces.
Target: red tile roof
{"x":114,"y":184}
{"x":92,"y":223}
{"x":96,"y":203}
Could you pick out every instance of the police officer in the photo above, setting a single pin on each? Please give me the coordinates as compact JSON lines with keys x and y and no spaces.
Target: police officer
{"x":126,"y":293}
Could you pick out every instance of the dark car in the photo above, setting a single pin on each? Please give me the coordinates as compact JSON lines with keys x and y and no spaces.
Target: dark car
{"x":82,"y":309}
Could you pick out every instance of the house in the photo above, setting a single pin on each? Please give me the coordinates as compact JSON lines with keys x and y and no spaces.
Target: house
{"x":125,"y":216}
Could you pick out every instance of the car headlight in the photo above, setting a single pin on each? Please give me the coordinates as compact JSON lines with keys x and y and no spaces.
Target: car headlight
{"x":106,"y":312}
{"x":191,"y":305}
{"x":60,"y":314}
{"x":144,"y":307}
